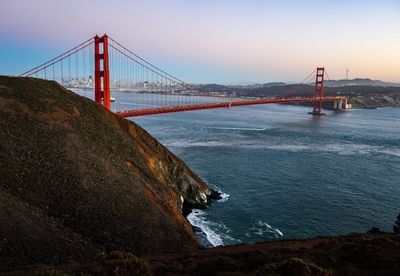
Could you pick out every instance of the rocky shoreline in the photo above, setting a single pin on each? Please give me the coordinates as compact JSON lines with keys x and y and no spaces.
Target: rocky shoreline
{"x":198,"y":232}
{"x":375,"y":101}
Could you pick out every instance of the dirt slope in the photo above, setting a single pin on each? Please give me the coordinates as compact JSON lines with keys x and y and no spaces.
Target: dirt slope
{"x":75,"y":180}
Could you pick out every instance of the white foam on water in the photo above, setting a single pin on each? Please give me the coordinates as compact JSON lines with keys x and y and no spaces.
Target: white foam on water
{"x":394,"y":152}
{"x":187,"y":144}
{"x":279,"y":232}
{"x":348,"y":149}
{"x":224,"y":197}
{"x":239,"y":128}
{"x":293,"y":148}
{"x":386,"y":107}
{"x":337,"y":148}
{"x":263,"y":229}
{"x":197,"y":218}
{"x":342,"y":149}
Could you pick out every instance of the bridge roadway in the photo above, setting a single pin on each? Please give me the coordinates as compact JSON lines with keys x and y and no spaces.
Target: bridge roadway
{"x":182,"y":108}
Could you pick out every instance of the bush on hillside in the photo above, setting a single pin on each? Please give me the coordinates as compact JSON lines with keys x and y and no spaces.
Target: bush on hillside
{"x":293,"y":266}
{"x":123,"y":263}
{"x":396,"y":226}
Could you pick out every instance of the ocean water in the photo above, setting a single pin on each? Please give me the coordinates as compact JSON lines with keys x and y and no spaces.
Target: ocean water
{"x":286,"y":174}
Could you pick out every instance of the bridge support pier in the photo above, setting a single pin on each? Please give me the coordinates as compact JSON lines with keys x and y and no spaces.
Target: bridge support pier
{"x":101,"y":72}
{"x":318,"y":92}
{"x":341,"y":104}
{"x":338,"y":105}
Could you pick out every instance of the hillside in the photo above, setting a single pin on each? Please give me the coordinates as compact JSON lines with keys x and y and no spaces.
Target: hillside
{"x":76,"y":180}
{"x":355,"y":254}
{"x":362,"y":93}
{"x":361,"y":82}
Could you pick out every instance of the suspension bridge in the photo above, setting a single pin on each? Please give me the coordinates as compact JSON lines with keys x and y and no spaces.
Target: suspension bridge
{"x":114,"y":76}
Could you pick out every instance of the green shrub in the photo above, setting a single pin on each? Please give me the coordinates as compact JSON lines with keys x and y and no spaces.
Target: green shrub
{"x":396,"y":226}
{"x":375,"y":230}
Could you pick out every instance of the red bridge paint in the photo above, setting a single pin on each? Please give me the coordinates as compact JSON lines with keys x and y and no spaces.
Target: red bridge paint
{"x":101,"y":75}
{"x":104,"y":43}
{"x":319,"y":90}
{"x":181,"y":108}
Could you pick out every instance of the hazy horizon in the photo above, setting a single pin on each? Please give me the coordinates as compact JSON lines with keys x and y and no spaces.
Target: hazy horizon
{"x":215,"y":41}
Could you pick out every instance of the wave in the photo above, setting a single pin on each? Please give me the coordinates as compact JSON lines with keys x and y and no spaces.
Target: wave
{"x":385,"y":107}
{"x":215,"y":233}
{"x":197,"y":218}
{"x":391,"y":152}
{"x":263,"y":229}
{"x":239,"y":128}
{"x":338,"y":148}
{"x":224,"y":196}
{"x":214,"y":143}
{"x":358,"y":149}
{"x":293,"y":148}
{"x":187,"y":144}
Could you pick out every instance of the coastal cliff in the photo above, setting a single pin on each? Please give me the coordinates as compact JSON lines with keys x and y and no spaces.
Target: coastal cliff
{"x":76,"y":180}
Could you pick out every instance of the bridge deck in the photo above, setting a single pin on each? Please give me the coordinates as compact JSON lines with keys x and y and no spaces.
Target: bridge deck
{"x":182,"y":108}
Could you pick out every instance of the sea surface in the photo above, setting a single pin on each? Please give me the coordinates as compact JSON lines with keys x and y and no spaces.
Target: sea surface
{"x":286,"y":174}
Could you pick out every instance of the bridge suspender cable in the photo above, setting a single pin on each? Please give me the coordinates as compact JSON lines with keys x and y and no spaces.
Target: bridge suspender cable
{"x":70,"y":52}
{"x":139,"y":83}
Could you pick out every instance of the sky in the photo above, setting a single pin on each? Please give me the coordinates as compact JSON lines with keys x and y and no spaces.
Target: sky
{"x":214,"y":41}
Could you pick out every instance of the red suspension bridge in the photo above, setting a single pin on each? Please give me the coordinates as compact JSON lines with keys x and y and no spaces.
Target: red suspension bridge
{"x":103,"y":65}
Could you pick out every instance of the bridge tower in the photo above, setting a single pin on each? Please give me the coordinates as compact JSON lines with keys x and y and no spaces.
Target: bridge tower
{"x":318,"y":92}
{"x":101,"y":71}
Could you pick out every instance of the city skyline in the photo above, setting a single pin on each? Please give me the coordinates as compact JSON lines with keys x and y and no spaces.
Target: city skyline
{"x":215,"y":41}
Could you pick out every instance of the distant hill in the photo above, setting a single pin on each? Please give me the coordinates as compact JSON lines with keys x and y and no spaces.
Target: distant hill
{"x":76,"y":180}
{"x":363,"y":93}
{"x":275,"y":88}
{"x":236,"y":88}
{"x":359,"y":81}
{"x":272,"y":84}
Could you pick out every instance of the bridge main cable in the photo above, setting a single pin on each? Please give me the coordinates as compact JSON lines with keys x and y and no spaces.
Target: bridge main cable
{"x":154,"y":68}
{"x":58,"y":58}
